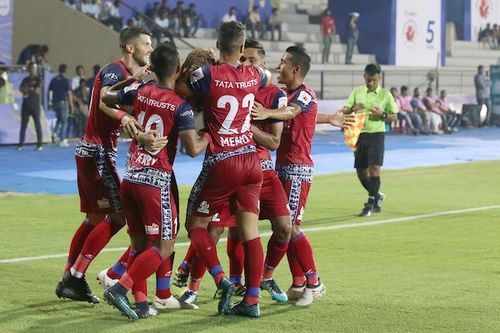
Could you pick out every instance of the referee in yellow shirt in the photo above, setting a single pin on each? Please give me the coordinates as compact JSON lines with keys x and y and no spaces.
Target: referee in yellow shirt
{"x":379,"y":106}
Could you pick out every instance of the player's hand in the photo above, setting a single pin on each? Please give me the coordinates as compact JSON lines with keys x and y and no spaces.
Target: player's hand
{"x":337,"y":119}
{"x":259,"y":112}
{"x":349,"y":120}
{"x":141,"y":73}
{"x":358,"y":106}
{"x":152,"y":141}
{"x":131,"y":125}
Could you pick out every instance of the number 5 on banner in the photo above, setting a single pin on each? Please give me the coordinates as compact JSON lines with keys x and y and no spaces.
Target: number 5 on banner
{"x":430,"y":32}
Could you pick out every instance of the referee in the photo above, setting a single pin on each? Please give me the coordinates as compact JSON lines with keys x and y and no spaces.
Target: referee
{"x":379,"y":106}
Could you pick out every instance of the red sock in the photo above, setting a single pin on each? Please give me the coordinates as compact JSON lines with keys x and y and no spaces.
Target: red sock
{"x":297,"y":273}
{"x":304,"y":253}
{"x":119,"y":267}
{"x":198,"y":269}
{"x":207,"y":252}
{"x":254,"y":260}
{"x":142,"y":267}
{"x":186,"y":263}
{"x":140,"y":291}
{"x":95,"y":242}
{"x":77,"y":243}
{"x":236,"y":256}
{"x":163,"y":275}
{"x":276,"y":250}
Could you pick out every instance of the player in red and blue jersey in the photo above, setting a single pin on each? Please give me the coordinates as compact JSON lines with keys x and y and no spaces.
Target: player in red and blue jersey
{"x":147,"y":193}
{"x":98,"y":181}
{"x":295,"y":166}
{"x":231,"y":170}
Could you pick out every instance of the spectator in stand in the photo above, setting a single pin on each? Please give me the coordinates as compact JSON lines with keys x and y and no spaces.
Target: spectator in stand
{"x":434,"y":118}
{"x":61,"y":101}
{"x":328,"y":33}
{"x":274,"y":23}
{"x":31,"y":88}
{"x":71,"y":3}
{"x":486,"y":36}
{"x":431,"y":104}
{"x":402,"y":116}
{"x":163,"y":23}
{"x":445,"y":107}
{"x":80,"y":107}
{"x":80,"y":74}
{"x":192,"y":21}
{"x":164,"y":6}
{"x":482,"y":84}
{"x":414,"y":123}
{"x":255,"y":23}
{"x":138,"y":21}
{"x":154,"y":11}
{"x":91,"y":9}
{"x":28,"y":53}
{"x":111,"y":15}
{"x":177,"y":18}
{"x":230,"y":16}
{"x":95,"y":70}
{"x":352,"y":33}
{"x":419,"y":107}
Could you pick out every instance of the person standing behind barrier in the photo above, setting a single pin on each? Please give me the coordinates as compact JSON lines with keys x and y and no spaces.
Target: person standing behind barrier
{"x":328,"y":32}
{"x":31,"y":88}
{"x":61,"y":101}
{"x":379,"y":106}
{"x":352,"y":36}
{"x":482,"y":84}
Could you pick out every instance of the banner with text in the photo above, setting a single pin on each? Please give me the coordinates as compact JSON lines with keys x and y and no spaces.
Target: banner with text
{"x":418,"y":32}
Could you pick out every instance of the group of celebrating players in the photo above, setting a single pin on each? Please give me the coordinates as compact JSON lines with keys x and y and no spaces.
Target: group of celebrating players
{"x":245,"y":116}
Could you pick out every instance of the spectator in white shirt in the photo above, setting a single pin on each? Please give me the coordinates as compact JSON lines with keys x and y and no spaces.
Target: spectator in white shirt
{"x":230,"y":16}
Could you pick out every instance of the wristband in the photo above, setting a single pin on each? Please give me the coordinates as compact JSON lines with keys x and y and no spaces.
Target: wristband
{"x":384,"y":115}
{"x":120,"y":114}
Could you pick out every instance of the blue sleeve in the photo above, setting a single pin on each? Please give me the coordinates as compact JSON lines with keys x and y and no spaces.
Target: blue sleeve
{"x":67,"y":86}
{"x":414,"y":104}
{"x":199,"y":80}
{"x":184,"y":117}
{"x":263,"y":77}
{"x":304,"y":100}
{"x":280,"y":100}
{"x":127,"y":95}
{"x":111,"y":75}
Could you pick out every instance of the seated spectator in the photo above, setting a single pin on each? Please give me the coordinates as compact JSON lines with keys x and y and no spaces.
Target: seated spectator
{"x":164,"y":6}
{"x":414,"y":120}
{"x":138,"y":21}
{"x":192,"y":21}
{"x":486,"y":36}
{"x":435,"y":115}
{"x":403,"y":117}
{"x":230,"y":16}
{"x":91,"y":9}
{"x":254,"y":22}
{"x":274,"y":23}
{"x":419,"y":107}
{"x":111,"y":15}
{"x":443,"y":103}
{"x":80,"y":74}
{"x":162,"y":24}
{"x":177,"y":18}
{"x":71,"y":3}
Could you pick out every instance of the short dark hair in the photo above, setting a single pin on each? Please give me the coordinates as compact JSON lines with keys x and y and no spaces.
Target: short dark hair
{"x":164,"y":60}
{"x":300,"y":58}
{"x":252,"y":43}
{"x":62,"y":68}
{"x":428,"y":89}
{"x":393,"y":89}
{"x":404,"y":88}
{"x":128,"y":34}
{"x":231,"y":36}
{"x":44,"y":49}
{"x":372,"y":69}
{"x":480,"y":67}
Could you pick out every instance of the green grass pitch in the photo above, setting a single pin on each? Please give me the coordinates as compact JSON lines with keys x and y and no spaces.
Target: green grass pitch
{"x":428,"y":273}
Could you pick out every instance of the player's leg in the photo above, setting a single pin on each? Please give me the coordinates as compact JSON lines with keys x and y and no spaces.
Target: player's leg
{"x":236,"y":255}
{"x":109,"y":276}
{"x":182,"y":274}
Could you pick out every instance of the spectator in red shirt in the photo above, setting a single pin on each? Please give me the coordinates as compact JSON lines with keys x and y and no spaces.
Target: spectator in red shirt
{"x":328,"y":32}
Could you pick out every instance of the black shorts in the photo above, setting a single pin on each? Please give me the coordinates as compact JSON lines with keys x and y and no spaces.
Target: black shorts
{"x":369,"y":150}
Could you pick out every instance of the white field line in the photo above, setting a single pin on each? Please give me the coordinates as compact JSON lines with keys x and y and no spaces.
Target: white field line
{"x":332,"y":227}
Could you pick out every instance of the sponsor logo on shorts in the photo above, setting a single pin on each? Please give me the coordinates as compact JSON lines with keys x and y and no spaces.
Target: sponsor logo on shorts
{"x":203,"y":208}
{"x":103,"y":203}
{"x":153,"y":229}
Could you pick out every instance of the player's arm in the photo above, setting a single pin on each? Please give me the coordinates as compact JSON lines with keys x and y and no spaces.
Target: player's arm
{"x":259,"y":112}
{"x":193,"y":143}
{"x":337,"y":119}
{"x":272,"y":139}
